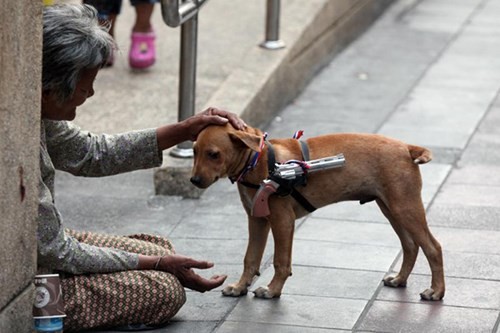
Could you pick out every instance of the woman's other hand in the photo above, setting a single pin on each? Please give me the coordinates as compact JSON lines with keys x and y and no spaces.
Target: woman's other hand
{"x":183,"y":268}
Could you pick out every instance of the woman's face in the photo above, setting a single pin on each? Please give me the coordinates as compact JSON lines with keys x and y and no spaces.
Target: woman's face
{"x":67,"y":110}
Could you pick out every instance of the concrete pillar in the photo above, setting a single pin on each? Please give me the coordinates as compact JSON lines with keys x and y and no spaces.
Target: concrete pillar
{"x":20,"y":82}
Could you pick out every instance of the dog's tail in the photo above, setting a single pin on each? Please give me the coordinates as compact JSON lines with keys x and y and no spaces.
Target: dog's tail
{"x":420,"y":155}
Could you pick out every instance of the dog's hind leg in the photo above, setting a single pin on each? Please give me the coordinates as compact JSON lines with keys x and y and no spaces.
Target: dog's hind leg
{"x":258,"y":233}
{"x":410,"y":216}
{"x":410,"y":251}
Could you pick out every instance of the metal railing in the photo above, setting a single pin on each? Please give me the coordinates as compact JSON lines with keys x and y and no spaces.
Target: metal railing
{"x":176,"y":12}
{"x":273,"y":41}
{"x":184,"y":13}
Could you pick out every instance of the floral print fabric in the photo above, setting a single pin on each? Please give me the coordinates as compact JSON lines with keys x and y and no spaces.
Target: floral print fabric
{"x":117,"y":299}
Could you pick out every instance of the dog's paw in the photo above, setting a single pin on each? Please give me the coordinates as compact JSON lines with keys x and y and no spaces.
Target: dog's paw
{"x":431,"y":295}
{"x":394,"y":281}
{"x":264,"y":292}
{"x":234,"y":291}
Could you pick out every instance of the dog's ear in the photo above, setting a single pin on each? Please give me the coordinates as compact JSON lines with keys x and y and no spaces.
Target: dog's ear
{"x":249,"y":140}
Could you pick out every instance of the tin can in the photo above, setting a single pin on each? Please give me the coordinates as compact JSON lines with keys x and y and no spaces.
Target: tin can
{"x":48,"y":307}
{"x":52,"y":325}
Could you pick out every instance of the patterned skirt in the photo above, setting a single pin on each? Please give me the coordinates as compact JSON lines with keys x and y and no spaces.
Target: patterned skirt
{"x":116,"y":299}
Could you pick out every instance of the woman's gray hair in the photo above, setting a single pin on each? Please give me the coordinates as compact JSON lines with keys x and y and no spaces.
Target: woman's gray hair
{"x":73,"y":40}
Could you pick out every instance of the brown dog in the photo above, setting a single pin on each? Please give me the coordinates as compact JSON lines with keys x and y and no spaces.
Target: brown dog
{"x":377,"y":168}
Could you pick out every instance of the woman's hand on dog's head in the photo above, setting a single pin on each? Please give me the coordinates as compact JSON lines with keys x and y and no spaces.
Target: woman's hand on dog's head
{"x":188,"y":129}
{"x":221,"y":117}
{"x":212,"y":116}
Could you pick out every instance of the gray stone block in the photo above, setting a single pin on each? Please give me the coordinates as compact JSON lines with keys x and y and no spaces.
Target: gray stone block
{"x":464,"y":216}
{"x":446,"y":16}
{"x":16,"y":316}
{"x":475,"y":171}
{"x":463,"y":265}
{"x":326,"y":282}
{"x":426,"y":317}
{"x":468,"y":240}
{"x":341,"y":255}
{"x":20,"y":84}
{"x":427,"y":136}
{"x":176,"y":326}
{"x":484,"y":148}
{"x":209,"y":306}
{"x":324,"y":230}
{"x":220,"y":251}
{"x":467,"y":293}
{"x":214,"y":226}
{"x":317,"y":312}
{"x":473,"y":195}
{"x":247,"y":327}
{"x":351,"y":211}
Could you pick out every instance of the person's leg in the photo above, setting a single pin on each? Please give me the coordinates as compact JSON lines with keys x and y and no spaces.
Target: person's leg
{"x":143,"y":13}
{"x":117,"y":299}
{"x":100,"y":301}
{"x":142,"y":52}
{"x":108,"y":11}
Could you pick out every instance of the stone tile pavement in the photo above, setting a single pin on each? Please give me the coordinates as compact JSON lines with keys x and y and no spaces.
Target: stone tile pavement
{"x":428,"y":73}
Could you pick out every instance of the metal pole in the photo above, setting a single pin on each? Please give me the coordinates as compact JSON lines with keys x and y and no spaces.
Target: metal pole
{"x":187,"y":81}
{"x":273,"y":41}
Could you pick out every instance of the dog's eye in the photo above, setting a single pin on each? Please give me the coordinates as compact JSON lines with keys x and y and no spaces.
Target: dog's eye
{"x":213,"y":155}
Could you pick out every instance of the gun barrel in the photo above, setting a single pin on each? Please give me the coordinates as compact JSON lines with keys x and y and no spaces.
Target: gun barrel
{"x":292,"y":170}
{"x":336,"y":161}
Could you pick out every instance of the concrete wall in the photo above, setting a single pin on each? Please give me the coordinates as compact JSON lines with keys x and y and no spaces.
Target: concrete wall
{"x":20,"y":77}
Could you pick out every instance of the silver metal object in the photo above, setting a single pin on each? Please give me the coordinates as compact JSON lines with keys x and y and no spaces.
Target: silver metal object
{"x":187,"y":80}
{"x":273,"y":41}
{"x":292,"y":170}
{"x":176,"y":12}
{"x":185,"y":14}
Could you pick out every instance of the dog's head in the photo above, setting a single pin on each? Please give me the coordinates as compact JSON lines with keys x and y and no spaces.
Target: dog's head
{"x":222,"y":151}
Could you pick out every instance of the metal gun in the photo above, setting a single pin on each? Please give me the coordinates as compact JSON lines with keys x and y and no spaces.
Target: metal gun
{"x":290,"y":170}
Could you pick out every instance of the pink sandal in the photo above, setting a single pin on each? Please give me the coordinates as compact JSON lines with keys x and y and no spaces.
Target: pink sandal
{"x":142,"y":51}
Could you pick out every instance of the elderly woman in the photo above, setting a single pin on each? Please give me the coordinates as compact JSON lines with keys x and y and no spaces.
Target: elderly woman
{"x":107,"y":281}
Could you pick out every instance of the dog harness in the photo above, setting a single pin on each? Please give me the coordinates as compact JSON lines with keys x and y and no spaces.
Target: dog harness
{"x":287,"y":186}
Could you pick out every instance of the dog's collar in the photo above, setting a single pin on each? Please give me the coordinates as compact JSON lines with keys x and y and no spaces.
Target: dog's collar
{"x":251,"y":163}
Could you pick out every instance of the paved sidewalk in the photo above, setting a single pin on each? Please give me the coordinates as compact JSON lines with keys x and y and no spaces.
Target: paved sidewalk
{"x":426,"y":72}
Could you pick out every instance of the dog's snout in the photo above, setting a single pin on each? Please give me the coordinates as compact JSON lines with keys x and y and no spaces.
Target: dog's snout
{"x":196,"y":180}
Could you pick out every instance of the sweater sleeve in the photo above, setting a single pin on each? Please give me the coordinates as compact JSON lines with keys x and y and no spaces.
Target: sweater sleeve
{"x":83,"y":153}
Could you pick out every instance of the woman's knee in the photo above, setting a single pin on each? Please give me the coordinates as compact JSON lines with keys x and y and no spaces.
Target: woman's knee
{"x":116,"y":299}
{"x":168,"y":299}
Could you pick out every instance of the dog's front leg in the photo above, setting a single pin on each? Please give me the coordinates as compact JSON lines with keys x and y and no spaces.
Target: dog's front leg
{"x":258,"y":231}
{"x":283,"y":227}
